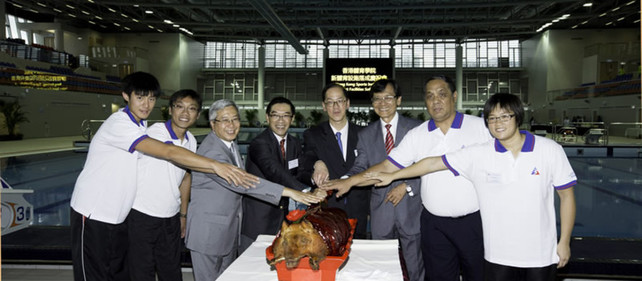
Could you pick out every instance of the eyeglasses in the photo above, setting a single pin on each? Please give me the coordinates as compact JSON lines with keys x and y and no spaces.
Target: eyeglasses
{"x":386,"y":99}
{"x":339,"y":102}
{"x":279,"y":116}
{"x":180,"y":107}
{"x":502,"y":118}
{"x":234,"y":121}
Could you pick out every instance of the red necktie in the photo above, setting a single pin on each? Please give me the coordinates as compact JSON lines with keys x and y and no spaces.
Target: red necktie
{"x":283,"y":149}
{"x":390,"y":143}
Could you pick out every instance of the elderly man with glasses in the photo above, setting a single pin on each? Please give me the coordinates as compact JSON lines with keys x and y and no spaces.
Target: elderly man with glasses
{"x":214,"y":212}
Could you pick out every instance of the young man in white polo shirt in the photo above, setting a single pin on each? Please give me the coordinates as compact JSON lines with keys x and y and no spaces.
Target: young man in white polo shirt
{"x":514,"y":176}
{"x":155,"y":226}
{"x":105,"y":189}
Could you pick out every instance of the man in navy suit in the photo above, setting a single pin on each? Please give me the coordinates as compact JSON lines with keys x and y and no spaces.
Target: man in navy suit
{"x":335,"y":143}
{"x":393,"y":208}
{"x":272,"y":155}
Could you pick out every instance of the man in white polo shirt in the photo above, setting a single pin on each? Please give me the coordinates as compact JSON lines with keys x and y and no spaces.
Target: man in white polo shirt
{"x":155,"y":226}
{"x":106,"y":187}
{"x":451,"y":234}
{"x":514,"y":176}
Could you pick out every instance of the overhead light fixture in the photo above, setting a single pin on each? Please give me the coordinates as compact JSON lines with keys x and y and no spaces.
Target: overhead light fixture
{"x":41,"y":4}
{"x":116,"y":24}
{"x":99,"y":17}
{"x":85,"y":12}
{"x":159,"y":30}
{"x":587,"y":4}
{"x":620,"y":19}
{"x":111,"y":10}
{"x":176,"y":25}
{"x":151,"y":27}
{"x":609,"y":23}
{"x":70,"y":6}
{"x":33,"y":11}
{"x":615,"y":9}
{"x":604,"y":14}
{"x":630,"y":3}
{"x":584,"y":22}
{"x":135,"y":20}
{"x":126,"y":28}
{"x":168,"y":21}
{"x":90,"y":1}
{"x":124,"y":16}
{"x":574,"y":27}
{"x":91,"y":22}
{"x":136,"y":5}
{"x":71,"y":15}
{"x":56,"y":10}
{"x":149,"y":12}
{"x":636,"y":21}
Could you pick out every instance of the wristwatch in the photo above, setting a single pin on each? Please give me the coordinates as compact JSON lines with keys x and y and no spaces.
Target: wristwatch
{"x":409,"y":190}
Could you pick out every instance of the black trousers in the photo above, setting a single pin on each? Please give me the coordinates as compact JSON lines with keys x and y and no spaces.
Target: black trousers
{"x":451,"y":246}
{"x":98,"y":249}
{"x":498,"y":272}
{"x":154,"y":247}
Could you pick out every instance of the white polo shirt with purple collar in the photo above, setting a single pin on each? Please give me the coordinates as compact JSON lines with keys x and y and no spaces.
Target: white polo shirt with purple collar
{"x":106,"y":186}
{"x":516,"y":197}
{"x":442,"y":194}
{"x":158,"y":180}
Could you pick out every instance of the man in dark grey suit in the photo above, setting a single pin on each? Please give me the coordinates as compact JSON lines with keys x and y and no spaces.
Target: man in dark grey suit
{"x":272,"y":155}
{"x":214,"y":212}
{"x":335,"y":143}
{"x":394,"y":209}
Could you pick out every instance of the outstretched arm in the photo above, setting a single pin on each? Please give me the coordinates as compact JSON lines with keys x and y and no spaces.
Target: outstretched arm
{"x":567,"y":220}
{"x":193,"y":161}
{"x":305,"y":198}
{"x":344,"y":185}
{"x":425,"y":166}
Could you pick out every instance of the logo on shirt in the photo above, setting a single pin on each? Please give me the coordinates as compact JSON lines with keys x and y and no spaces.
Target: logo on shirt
{"x":535,"y":172}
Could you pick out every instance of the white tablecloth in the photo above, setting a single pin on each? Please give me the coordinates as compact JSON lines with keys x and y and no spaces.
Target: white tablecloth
{"x":369,"y":260}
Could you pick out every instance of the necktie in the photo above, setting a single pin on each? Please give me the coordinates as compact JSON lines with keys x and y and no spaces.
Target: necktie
{"x":282,"y":149}
{"x":237,"y":161}
{"x":390,"y":143}
{"x":338,"y":134}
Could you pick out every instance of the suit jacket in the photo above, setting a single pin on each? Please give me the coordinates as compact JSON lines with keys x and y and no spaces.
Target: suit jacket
{"x":320,"y":143}
{"x":384,"y":215}
{"x":214,"y":211}
{"x":264,"y":160}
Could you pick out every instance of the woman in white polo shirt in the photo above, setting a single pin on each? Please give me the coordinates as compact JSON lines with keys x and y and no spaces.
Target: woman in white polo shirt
{"x":514,"y":176}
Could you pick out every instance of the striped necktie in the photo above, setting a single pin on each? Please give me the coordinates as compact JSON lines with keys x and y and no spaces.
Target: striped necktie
{"x":390,"y":143}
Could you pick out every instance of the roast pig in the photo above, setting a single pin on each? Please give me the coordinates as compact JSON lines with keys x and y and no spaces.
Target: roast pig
{"x":319,"y":233}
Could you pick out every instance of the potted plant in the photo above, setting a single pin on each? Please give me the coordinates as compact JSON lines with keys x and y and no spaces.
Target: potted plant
{"x":14,"y":115}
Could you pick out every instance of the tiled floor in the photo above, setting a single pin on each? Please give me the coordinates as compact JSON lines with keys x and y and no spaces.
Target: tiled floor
{"x":63,"y":272}
{"x":52,"y":273}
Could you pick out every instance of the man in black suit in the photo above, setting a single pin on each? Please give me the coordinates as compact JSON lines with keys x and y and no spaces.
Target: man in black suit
{"x":272,"y":155}
{"x":335,"y":143}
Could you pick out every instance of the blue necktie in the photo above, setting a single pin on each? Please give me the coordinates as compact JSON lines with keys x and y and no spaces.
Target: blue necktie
{"x":338,"y":134}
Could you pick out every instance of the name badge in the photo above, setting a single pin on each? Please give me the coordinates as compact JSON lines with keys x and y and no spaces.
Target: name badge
{"x":293,"y":164}
{"x":493,"y":178}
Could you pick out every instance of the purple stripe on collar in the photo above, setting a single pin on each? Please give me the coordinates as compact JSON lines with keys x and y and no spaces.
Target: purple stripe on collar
{"x":528,"y":146}
{"x":131,"y":116}
{"x":457,"y":122}
{"x":529,"y":143}
{"x":168,"y":126}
